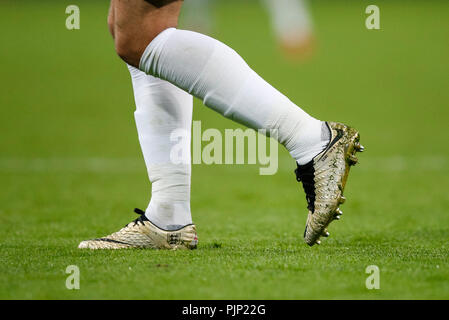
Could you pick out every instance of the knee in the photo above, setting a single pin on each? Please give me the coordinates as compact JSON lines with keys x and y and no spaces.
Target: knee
{"x":130,"y":48}
{"x":134,"y":30}
{"x":131,"y":45}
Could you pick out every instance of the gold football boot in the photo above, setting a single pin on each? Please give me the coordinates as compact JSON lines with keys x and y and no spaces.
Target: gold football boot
{"x":324,"y":179}
{"x":141,"y":233}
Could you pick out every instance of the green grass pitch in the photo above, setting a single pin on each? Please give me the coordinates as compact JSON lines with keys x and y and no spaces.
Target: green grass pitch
{"x":71,"y":166}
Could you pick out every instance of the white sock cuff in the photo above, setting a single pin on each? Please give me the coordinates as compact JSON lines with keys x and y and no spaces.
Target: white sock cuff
{"x":154,"y":46}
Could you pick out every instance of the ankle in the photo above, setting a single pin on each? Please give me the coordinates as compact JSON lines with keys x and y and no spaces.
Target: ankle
{"x":169,"y":215}
{"x":310,"y":141}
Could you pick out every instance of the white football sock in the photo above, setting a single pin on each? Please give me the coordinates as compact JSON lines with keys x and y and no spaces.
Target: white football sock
{"x":215,"y":73}
{"x":162,"y":108}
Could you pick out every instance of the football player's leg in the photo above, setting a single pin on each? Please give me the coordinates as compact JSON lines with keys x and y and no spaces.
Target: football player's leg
{"x":162,"y":112}
{"x":146,"y":38}
{"x":215,"y":73}
{"x":163,"y":117}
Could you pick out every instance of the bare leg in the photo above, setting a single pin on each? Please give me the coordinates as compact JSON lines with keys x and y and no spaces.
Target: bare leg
{"x":135,"y":23}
